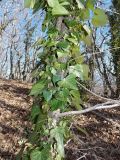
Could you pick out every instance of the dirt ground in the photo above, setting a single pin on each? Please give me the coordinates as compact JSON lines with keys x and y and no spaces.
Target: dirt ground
{"x":95,"y":137}
{"x":14,"y":110}
{"x":99,"y":139}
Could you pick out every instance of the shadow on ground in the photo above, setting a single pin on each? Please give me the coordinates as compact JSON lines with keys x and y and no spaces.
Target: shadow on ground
{"x":14,"y":111}
{"x":93,"y":138}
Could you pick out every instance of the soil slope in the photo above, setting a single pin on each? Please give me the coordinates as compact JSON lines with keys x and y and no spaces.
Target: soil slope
{"x":95,"y":137}
{"x":14,"y":110}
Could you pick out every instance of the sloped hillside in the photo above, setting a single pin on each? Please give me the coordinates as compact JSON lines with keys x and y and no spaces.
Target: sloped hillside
{"x":14,"y":109}
{"x":95,"y":136}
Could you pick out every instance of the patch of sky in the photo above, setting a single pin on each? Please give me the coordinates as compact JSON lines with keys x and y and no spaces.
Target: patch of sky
{"x":19,"y":22}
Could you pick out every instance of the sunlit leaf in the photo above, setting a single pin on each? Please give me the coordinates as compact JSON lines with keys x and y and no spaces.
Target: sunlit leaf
{"x":37,"y":88}
{"x":85,"y":14}
{"x":63,"y":95}
{"x":69,"y":82}
{"x":80,"y":5}
{"x":87,"y":29}
{"x":73,"y":40}
{"x":53,"y":3}
{"x":29,"y":3}
{"x":76,"y":99}
{"x":65,"y":3}
{"x":87,"y":40}
{"x":61,"y":53}
{"x":58,"y":134}
{"x":90,"y":4}
{"x":80,"y":70}
{"x":99,"y":18}
{"x":59,"y":10}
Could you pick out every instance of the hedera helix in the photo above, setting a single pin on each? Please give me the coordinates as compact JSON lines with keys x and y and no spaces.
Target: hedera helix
{"x":61,"y":66}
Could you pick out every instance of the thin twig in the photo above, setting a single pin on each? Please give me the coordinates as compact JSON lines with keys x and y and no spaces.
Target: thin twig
{"x":96,"y":95}
{"x":84,"y":156}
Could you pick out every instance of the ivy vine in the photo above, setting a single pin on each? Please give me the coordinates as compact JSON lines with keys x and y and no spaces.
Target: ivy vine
{"x":62,"y":64}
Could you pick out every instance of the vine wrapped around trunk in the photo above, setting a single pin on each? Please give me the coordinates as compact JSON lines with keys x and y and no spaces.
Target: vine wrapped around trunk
{"x":61,"y":65}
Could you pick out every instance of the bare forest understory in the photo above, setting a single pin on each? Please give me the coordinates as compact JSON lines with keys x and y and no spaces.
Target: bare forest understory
{"x":96,"y":135}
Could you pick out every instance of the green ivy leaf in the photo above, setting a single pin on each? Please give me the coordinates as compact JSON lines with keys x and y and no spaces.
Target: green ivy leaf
{"x":53,"y":70}
{"x":71,"y":23}
{"x":53,"y":3}
{"x":65,"y":3}
{"x":57,"y":104}
{"x":69,"y":82}
{"x":29,"y":3}
{"x":73,"y":40}
{"x":25,"y":157}
{"x":38,"y":5}
{"x":63,"y":95}
{"x":36,"y":155}
{"x":76,"y":99}
{"x":61,"y":54}
{"x":58,"y":134}
{"x":63,"y":44}
{"x":47,"y":95}
{"x":99,"y":18}
{"x":80,"y":70}
{"x":44,"y":154}
{"x":37,"y":88}
{"x":59,"y":10}
{"x":84,"y":71}
{"x":85,"y":14}
{"x":87,"y":40}
{"x":56,"y":78}
{"x":90,"y":4}
{"x":35,"y":111}
{"x":40,"y":121}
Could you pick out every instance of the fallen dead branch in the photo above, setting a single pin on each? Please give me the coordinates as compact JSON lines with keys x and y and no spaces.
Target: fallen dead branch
{"x":107,"y":105}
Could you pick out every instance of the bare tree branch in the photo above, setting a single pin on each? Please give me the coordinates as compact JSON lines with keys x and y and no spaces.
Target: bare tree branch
{"x":57,"y":115}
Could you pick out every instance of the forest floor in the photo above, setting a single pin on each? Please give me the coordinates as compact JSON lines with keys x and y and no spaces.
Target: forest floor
{"x":95,"y":137}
